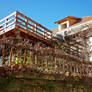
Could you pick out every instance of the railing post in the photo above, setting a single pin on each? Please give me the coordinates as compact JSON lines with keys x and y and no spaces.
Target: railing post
{"x":63,"y":68}
{"x":55,"y":61}
{"x":36,"y":61}
{"x":3,"y":50}
{"x":59,"y":66}
{"x":31,"y":58}
{"x":3,"y":54}
{"x":77,"y":69}
{"x":51,"y":36}
{"x":24,"y":61}
{"x":26,"y":24}
{"x":16,"y":18}
{"x":6,"y":23}
{"x":71,"y":68}
{"x":47,"y":57}
{"x":47,"y":63}
{"x":10,"y":60}
{"x":44,"y":34}
{"x":35,"y":29}
{"x":68,"y":70}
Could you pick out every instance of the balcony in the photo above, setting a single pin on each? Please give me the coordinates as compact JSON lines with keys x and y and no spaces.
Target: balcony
{"x":20,"y":22}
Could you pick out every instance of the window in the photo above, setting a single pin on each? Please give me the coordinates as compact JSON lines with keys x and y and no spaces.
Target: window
{"x":64,"y":26}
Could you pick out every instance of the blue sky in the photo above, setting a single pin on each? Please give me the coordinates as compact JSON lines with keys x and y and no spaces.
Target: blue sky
{"x":46,"y":12}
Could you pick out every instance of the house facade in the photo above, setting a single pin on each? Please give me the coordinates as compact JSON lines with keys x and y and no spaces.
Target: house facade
{"x":70,"y":26}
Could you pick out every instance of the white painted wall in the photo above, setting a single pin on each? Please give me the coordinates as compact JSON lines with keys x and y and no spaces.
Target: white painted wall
{"x":61,"y":31}
{"x":73,"y":29}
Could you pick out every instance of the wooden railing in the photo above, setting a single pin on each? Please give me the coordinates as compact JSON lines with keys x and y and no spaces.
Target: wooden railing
{"x":7,"y":23}
{"x":44,"y":59}
{"x":18,"y":19}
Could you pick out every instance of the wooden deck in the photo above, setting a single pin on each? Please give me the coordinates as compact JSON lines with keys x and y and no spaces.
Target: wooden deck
{"x":26,"y":26}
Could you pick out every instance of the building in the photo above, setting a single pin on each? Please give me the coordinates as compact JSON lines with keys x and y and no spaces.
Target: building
{"x":79,"y":30}
{"x":77,"y":33}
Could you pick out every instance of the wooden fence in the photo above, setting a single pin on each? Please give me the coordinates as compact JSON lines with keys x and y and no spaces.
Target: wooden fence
{"x":43,"y":59}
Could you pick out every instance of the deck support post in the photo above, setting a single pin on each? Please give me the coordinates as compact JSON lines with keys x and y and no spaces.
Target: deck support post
{"x":3,"y":55}
{"x":56,"y":67}
{"x":31,"y":60}
{"x":71,"y":68}
{"x":47,"y":63}
{"x":36,"y":61}
{"x":68,"y":68}
{"x":24,"y":61}
{"x":63,"y":68}
{"x":10,"y":60}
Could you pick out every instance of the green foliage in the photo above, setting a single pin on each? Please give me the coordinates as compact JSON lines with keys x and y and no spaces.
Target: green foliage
{"x":18,"y":61}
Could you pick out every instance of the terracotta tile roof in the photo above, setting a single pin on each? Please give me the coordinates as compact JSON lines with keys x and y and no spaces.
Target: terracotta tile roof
{"x":66,"y":19}
{"x":55,"y":30}
{"x":83,"y":19}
